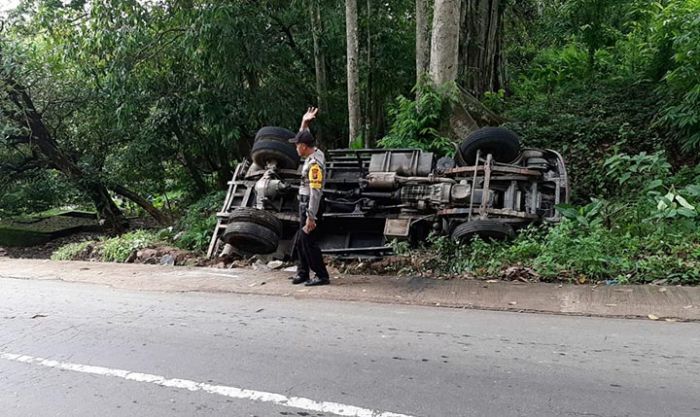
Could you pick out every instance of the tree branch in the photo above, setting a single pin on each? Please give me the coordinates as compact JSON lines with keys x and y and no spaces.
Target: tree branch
{"x":289,"y":40}
{"x":159,"y":216}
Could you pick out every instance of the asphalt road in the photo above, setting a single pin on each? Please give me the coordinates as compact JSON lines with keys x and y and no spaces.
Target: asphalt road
{"x":84,"y":350}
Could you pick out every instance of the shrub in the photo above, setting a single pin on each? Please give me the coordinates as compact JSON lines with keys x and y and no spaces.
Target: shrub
{"x":198,"y":223}
{"x":70,"y":251}
{"x":118,"y":249}
{"x":647,"y":233}
{"x":417,"y":123}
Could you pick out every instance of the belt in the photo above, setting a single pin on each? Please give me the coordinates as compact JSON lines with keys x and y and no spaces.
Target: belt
{"x":303,"y":199}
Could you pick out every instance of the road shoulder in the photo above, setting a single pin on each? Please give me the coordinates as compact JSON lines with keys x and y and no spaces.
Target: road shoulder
{"x":640,"y":301}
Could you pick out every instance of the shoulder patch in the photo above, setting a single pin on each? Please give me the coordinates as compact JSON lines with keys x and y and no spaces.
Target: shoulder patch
{"x":315,"y":176}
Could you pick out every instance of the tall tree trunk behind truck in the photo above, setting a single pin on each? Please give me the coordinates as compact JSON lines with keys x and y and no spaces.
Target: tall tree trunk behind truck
{"x":319,"y":64}
{"x":366,"y":131}
{"x":444,"y":44}
{"x":468,"y":114}
{"x":422,"y":38}
{"x":481,"y":58}
{"x":353,"y":73}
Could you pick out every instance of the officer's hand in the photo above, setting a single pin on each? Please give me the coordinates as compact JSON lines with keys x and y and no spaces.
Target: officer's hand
{"x":310,"y":114}
{"x":309,"y":226}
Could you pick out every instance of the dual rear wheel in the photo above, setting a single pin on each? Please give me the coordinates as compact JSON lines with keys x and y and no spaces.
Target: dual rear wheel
{"x":253,"y":231}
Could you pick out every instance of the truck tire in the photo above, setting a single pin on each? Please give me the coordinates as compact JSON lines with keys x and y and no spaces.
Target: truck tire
{"x":485,"y":229}
{"x":284,"y":154}
{"x":279,"y":134}
{"x":250,"y":238}
{"x":501,"y":143}
{"x":253,"y":215}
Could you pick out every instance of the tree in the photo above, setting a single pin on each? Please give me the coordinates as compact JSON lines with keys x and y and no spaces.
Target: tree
{"x":481,"y":57}
{"x":35,"y":134}
{"x":319,"y":60}
{"x":444,"y":44}
{"x":422,"y":38}
{"x":353,"y":74}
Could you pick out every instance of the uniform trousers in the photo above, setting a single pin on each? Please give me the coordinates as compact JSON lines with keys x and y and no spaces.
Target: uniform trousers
{"x":307,"y":250}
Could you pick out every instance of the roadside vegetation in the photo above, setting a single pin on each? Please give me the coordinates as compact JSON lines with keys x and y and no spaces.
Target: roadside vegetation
{"x":156,"y":105}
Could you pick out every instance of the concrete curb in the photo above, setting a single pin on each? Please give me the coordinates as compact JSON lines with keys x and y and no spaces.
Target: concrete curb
{"x":642,"y":301}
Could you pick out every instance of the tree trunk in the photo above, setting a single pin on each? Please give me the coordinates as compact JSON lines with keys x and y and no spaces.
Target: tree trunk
{"x":225,"y":171}
{"x":319,"y":55}
{"x":446,"y":54}
{"x":481,"y":66}
{"x":188,"y":162}
{"x":352,"y":70}
{"x":161,"y":218}
{"x":319,"y":64}
{"x":42,"y":139}
{"x":444,"y":45}
{"x":368,"y":96}
{"x":191,"y":167}
{"x":422,"y":38}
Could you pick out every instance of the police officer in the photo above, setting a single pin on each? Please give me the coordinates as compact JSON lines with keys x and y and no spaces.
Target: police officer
{"x":310,"y":194}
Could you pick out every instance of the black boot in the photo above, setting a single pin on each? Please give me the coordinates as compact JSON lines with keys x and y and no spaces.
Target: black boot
{"x":299,"y":279}
{"x":318,"y":281}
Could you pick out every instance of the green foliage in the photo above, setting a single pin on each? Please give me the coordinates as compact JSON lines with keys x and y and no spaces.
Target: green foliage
{"x":197,"y":224}
{"x":568,"y":252}
{"x":597,"y":23}
{"x":417,"y":123}
{"x":36,"y":191}
{"x":631,"y":173}
{"x":647,"y":233}
{"x":70,"y":251}
{"x":400,"y":247}
{"x":357,"y":143}
{"x":681,"y":91}
{"x":118,"y":249}
{"x":166,"y":96}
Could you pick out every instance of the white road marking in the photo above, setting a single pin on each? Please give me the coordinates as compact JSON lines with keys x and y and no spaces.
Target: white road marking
{"x":226,"y":391}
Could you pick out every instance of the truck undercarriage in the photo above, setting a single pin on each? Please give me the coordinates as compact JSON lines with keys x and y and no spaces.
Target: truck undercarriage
{"x":491,"y":188}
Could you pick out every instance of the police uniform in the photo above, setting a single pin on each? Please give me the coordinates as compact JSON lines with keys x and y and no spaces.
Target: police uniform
{"x":310,"y":195}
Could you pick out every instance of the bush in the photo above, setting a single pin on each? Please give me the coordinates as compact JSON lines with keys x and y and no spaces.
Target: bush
{"x":36,"y":192}
{"x":572,"y":253}
{"x":198,"y":223}
{"x":678,"y":30}
{"x":118,"y":249}
{"x":647,"y":233}
{"x":70,"y":251}
{"x":417,"y":123}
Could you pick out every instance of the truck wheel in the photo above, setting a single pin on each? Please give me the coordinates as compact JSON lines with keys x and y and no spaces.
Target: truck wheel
{"x":485,"y":229}
{"x":501,"y":143}
{"x":251,"y":238}
{"x":284,"y":154}
{"x":260,"y":217}
{"x":279,"y":134}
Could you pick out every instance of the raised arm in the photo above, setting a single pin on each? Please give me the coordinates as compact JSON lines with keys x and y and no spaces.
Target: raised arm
{"x":308,"y":117}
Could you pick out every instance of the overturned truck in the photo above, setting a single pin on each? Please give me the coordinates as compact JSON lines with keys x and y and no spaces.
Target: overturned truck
{"x":490,"y":188}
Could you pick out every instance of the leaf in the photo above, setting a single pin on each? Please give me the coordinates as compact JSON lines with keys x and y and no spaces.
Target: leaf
{"x":623,"y":179}
{"x":654,"y":184}
{"x":693,"y":190}
{"x":687,"y":212}
{"x":683,"y":202}
{"x":664,"y":204}
{"x":567,"y":211}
